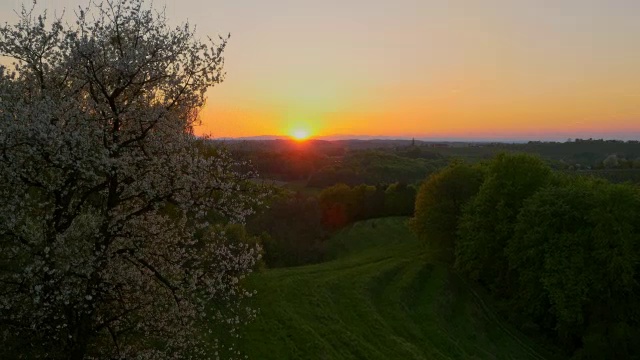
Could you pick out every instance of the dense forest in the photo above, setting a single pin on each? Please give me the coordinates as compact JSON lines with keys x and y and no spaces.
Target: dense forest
{"x":319,"y":163}
{"x":557,"y":246}
{"x":560,"y":251}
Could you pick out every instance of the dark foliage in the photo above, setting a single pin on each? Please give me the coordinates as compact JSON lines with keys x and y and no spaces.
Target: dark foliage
{"x":561,"y":252}
{"x":488,"y":221}
{"x":439,"y":205}
{"x":291,"y":231}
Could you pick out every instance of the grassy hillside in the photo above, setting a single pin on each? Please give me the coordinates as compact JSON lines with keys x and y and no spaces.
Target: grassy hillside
{"x":378,"y":300}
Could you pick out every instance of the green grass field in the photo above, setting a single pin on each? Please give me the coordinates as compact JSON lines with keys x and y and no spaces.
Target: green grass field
{"x":379,"y":299}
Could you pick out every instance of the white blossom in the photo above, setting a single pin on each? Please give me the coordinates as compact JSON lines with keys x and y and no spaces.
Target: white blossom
{"x":106,"y":195}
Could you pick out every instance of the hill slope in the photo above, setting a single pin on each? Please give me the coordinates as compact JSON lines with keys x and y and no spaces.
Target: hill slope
{"x":379,"y":300}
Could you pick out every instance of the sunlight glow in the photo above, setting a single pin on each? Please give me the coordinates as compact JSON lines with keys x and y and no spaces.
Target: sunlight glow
{"x":300,"y":134}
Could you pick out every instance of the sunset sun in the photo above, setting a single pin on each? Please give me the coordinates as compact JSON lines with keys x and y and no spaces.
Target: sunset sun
{"x":300,"y":134}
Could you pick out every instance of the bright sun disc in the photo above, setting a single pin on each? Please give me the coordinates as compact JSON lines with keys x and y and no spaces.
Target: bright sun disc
{"x":300,"y":134}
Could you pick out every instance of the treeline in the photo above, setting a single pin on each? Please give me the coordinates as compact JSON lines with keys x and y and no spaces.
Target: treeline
{"x":561,"y":252}
{"x":371,"y":167}
{"x":613,"y":175}
{"x":294,"y":227}
{"x":320,"y":164}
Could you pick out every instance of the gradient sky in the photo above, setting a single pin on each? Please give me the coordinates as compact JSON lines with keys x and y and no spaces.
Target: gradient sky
{"x":456,"y":68}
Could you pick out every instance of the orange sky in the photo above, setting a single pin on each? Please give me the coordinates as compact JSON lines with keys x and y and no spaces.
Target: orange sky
{"x":423,"y":68}
{"x":432,"y":69}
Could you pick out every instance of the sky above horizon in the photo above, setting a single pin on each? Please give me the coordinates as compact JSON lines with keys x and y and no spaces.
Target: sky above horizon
{"x":418,"y":68}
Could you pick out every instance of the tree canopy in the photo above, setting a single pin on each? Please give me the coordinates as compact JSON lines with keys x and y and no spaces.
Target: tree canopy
{"x":439,"y":206}
{"x":575,"y":250}
{"x":487,"y":222}
{"x":106,"y":250}
{"x":559,"y":252}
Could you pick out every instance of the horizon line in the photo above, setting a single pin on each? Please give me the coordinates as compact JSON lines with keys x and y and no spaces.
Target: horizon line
{"x":512,"y":138}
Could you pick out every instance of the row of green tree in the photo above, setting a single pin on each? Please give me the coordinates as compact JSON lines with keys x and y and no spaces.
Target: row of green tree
{"x":378,"y":166}
{"x":320,"y":164}
{"x":561,"y":252}
{"x":294,"y":227}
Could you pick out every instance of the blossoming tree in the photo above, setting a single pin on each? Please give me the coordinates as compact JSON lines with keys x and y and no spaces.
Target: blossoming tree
{"x":112,"y":242}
